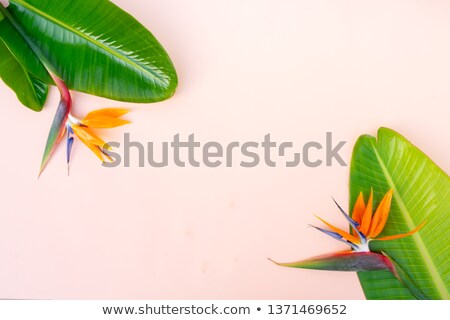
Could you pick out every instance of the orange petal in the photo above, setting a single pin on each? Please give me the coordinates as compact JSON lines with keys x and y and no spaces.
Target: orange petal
{"x":398,"y":236}
{"x":381,"y":215}
{"x":89,"y":137}
{"x":359,"y":208}
{"x":92,"y":141}
{"x":347,"y":236}
{"x":108,"y":112}
{"x":103,"y":122}
{"x":96,"y":150}
{"x":367,"y":217}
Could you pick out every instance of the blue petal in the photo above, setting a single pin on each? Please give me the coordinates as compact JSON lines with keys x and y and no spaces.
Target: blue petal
{"x":336,"y":236}
{"x":69,"y":146}
{"x":352,"y":222}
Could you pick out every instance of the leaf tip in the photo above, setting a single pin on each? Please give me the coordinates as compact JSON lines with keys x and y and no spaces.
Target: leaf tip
{"x":273,"y":261}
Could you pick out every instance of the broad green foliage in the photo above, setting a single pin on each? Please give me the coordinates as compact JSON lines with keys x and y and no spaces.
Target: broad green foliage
{"x":23,"y":53}
{"x":29,"y":90}
{"x":94,"y":47}
{"x":421,"y":191}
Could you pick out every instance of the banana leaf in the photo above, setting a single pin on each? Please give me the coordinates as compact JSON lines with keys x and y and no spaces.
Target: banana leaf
{"x":23,"y":53}
{"x":29,"y":90}
{"x":97,"y":48}
{"x":421,"y":191}
{"x":21,"y":69}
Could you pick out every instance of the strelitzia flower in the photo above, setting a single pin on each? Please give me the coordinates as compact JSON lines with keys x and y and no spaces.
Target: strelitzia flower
{"x":64,"y":121}
{"x":98,"y":119}
{"x":365,"y":225}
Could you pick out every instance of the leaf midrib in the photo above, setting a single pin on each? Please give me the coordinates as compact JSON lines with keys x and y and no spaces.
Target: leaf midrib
{"x":429,"y":263}
{"x":63,"y":25}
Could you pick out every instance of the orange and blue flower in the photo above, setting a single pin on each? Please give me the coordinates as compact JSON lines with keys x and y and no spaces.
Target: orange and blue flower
{"x":365,"y":225}
{"x":98,"y":119}
{"x":65,"y":123}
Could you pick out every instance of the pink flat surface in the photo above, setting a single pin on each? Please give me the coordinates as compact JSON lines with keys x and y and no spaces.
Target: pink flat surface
{"x":295,"y":69}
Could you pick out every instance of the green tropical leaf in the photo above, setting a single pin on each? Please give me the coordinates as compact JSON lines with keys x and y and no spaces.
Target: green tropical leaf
{"x":97,"y":48}
{"x":20,"y":68}
{"x":22,"y":51}
{"x":30,"y":91}
{"x":421,"y":191}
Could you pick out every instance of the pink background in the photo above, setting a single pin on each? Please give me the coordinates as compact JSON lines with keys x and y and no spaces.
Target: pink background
{"x":295,"y":69}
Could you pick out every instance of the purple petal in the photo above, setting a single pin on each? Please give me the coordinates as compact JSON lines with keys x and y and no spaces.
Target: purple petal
{"x":336,"y":236}
{"x":352,"y":222}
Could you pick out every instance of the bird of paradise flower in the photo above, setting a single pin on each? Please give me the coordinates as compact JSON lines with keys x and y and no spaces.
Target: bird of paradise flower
{"x":64,"y":121}
{"x":365,"y":226}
